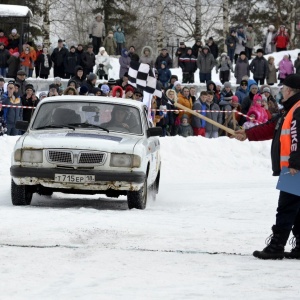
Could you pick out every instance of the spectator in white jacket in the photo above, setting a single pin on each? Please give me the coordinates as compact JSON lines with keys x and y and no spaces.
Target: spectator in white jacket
{"x":103,"y":64}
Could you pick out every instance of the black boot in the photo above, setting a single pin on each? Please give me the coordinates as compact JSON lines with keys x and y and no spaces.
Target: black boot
{"x":295,"y":252}
{"x":276,"y":243}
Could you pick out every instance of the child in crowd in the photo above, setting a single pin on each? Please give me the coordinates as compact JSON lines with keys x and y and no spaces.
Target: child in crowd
{"x":185,"y":129}
{"x":252,"y":116}
{"x":164,"y":74}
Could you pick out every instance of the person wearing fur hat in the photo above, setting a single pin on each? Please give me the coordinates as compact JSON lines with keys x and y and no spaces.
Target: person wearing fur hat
{"x":268,"y":41}
{"x":44,"y":64}
{"x":120,"y":39}
{"x":240,"y":46}
{"x":13,"y":40}
{"x":272,"y":74}
{"x":70,"y":62}
{"x":172,"y":80}
{"x":241,"y":68}
{"x":110,"y":44}
{"x":117,"y":92}
{"x":286,"y":68}
{"x":185,"y":129}
{"x":224,"y":65}
{"x":205,"y":64}
{"x":188,"y":64}
{"x":281,"y":39}
{"x":97,"y":32}
{"x":124,"y":61}
{"x":103,"y":63}
{"x":231,"y":42}
{"x":259,"y":67}
{"x":251,"y":41}
{"x":88,"y":60}
{"x":147,"y":56}
{"x":177,"y":87}
{"x":4,"y":56}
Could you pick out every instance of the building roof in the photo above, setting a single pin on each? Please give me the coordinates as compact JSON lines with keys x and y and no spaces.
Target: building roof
{"x":14,"y":11}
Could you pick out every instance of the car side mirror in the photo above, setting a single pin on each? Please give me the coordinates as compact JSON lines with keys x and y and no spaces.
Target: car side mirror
{"x":154,"y":131}
{"x":22,"y":125}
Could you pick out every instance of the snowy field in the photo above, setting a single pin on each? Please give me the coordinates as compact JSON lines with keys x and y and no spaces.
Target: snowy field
{"x":216,"y":205}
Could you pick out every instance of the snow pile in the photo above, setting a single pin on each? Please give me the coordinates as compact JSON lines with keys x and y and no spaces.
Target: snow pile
{"x":216,"y":196}
{"x":14,"y":11}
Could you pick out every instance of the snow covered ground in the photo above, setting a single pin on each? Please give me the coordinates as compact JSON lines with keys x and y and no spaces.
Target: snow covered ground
{"x":216,"y":205}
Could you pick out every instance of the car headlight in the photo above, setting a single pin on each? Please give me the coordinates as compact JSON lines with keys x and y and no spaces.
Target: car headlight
{"x":18,"y":155}
{"x":32,"y":156}
{"x":125,"y":160}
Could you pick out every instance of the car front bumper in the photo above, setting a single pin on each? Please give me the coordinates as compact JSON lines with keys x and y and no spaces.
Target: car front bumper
{"x":104,"y":180}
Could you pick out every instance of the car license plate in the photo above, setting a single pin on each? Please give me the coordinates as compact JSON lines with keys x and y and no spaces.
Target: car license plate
{"x":74,"y":178}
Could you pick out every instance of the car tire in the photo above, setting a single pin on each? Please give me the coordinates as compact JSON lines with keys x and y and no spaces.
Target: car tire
{"x":20,"y":194}
{"x":138,"y":199}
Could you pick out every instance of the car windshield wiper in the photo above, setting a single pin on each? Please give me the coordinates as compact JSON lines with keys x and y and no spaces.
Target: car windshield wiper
{"x":85,"y":125}
{"x":55,"y":126}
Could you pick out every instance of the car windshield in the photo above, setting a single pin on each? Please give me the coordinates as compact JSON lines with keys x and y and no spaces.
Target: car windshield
{"x":88,"y":115}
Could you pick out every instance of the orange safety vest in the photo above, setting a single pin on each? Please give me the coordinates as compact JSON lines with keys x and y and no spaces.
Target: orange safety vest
{"x":286,"y":137}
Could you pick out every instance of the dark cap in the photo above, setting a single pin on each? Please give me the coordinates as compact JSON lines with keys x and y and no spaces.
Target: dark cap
{"x":181,"y":43}
{"x":11,"y":82}
{"x":2,"y":79}
{"x":292,"y":81}
{"x":21,"y":72}
{"x":164,"y":49}
{"x":90,"y":46}
{"x":53,"y":86}
{"x":259,"y":50}
{"x":28,"y":87}
{"x":60,"y":41}
{"x":111,"y":81}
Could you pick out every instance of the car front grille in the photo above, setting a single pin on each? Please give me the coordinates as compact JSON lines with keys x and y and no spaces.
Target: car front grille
{"x":91,"y":158}
{"x":60,"y":157}
{"x":76,"y":157}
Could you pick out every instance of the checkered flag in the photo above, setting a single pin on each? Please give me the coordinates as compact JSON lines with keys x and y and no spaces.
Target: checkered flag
{"x":141,"y":76}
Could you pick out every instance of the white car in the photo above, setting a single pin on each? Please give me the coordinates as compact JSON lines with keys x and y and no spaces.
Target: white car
{"x":87,"y":145}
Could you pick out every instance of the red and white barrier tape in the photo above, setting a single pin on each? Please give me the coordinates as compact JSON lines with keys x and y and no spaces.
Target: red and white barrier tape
{"x":18,"y":106}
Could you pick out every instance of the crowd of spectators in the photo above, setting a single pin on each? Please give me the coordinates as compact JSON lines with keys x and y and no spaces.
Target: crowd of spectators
{"x":250,"y":103}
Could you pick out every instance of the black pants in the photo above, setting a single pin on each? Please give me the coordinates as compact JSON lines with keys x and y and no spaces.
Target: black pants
{"x":224,"y":76}
{"x":87,"y":71}
{"x":288,"y":212}
{"x":260,"y":81}
{"x":105,"y":76}
{"x":236,"y":56}
{"x":188,"y":78}
{"x":59,"y":71}
{"x":248,"y":52}
{"x":119,"y":48}
{"x":96,"y":44}
{"x":44,"y":76}
{"x":69,"y":75}
{"x":280,"y":49}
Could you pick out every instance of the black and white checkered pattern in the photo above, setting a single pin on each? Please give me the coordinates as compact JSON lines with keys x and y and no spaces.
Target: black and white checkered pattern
{"x":141,"y":76}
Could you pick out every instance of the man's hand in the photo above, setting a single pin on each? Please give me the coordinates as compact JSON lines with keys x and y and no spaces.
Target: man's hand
{"x":240,"y":135}
{"x":293,"y":171}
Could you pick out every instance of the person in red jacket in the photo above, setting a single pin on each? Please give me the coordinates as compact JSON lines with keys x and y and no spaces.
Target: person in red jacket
{"x":3,"y":38}
{"x":284,"y":129}
{"x":281,"y":39}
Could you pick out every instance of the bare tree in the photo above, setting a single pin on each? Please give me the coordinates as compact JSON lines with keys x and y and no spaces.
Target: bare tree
{"x":225,"y":21}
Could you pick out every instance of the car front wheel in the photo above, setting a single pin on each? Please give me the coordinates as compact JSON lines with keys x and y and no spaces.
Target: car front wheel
{"x":138,"y":199}
{"x":20,"y":194}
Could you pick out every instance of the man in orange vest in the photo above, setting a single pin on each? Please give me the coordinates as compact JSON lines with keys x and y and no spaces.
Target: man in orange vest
{"x":284,"y":129}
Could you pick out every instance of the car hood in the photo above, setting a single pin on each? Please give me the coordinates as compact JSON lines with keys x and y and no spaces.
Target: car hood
{"x":81,"y":139}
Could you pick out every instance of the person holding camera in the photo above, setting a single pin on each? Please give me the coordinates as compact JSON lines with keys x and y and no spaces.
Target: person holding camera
{"x":102,"y":61}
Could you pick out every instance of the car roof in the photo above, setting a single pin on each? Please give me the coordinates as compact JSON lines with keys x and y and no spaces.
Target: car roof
{"x":99,"y":99}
